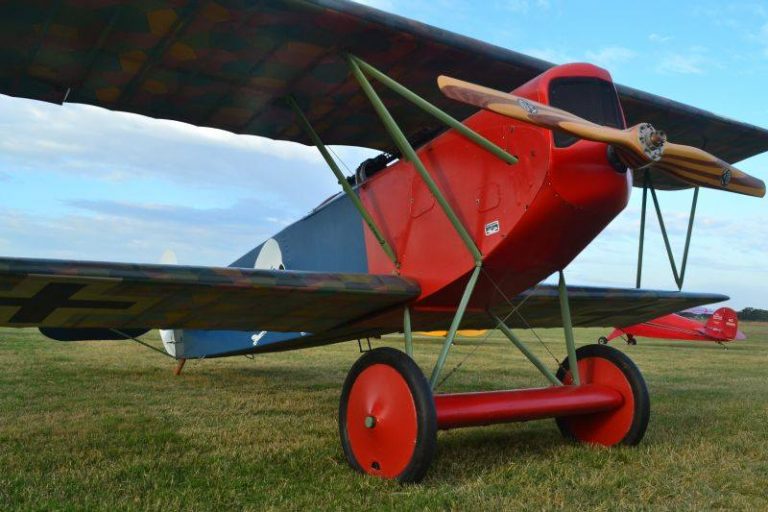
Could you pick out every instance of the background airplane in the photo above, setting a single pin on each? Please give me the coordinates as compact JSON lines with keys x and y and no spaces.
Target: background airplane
{"x":721,"y":327}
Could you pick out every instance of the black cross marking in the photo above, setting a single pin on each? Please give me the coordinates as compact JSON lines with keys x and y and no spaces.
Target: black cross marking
{"x":53,"y":296}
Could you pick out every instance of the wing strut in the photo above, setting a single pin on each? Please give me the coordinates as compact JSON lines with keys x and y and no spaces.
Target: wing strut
{"x":429,"y":108}
{"x":678,"y":276}
{"x":570,"y":344}
{"x":522,"y":347}
{"x":407,"y":331}
{"x":406,"y":150}
{"x":359,"y":69}
{"x":343,"y":181}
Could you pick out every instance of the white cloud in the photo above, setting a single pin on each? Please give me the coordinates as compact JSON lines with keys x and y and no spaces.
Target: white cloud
{"x":525,"y":6}
{"x":606,"y":57}
{"x":763,"y":38}
{"x":204,"y":135}
{"x":109,"y":231}
{"x":658,"y":38}
{"x":684,"y":64}
{"x":83,"y":141}
{"x":35,"y":127}
{"x":556,"y":55}
{"x":611,"y":56}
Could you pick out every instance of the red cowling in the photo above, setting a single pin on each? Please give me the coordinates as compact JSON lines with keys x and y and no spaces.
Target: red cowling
{"x":484,"y":408}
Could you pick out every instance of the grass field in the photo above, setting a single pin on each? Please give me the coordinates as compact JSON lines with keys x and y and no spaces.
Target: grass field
{"x":106,"y":426}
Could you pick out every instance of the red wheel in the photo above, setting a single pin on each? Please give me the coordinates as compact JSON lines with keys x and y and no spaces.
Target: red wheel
{"x":604,"y":365}
{"x":387,"y":419}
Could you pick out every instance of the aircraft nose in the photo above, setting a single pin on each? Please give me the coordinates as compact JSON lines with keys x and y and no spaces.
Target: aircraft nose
{"x":584,"y":176}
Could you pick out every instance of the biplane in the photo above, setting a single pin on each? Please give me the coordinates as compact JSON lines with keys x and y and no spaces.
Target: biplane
{"x":721,"y":327}
{"x":478,"y":196}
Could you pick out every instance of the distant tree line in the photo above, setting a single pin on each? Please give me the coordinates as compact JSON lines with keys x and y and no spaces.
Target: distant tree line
{"x":753,"y":314}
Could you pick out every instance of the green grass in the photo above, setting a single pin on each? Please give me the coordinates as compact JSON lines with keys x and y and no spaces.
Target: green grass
{"x":106,"y":426}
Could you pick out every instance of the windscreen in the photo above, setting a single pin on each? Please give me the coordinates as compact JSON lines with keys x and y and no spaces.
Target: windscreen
{"x":591,"y":98}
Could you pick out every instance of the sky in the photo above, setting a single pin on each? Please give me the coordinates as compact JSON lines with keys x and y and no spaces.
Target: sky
{"x":79,"y":182}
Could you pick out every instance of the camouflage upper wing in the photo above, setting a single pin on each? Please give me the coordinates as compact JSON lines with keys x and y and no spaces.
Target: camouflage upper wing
{"x":76,"y":294}
{"x":229,"y":64}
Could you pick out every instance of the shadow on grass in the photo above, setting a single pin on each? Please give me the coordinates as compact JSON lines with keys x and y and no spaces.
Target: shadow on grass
{"x":681,"y":345}
{"x":466,"y":453}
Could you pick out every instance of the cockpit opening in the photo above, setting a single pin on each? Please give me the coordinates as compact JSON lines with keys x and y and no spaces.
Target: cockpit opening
{"x":591,"y":98}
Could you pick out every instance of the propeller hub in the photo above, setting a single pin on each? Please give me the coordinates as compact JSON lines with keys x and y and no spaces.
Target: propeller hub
{"x":652,"y":141}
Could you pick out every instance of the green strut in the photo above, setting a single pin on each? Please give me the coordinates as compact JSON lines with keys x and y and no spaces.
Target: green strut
{"x":410,"y":154}
{"x":665,"y":237}
{"x":570,"y":344}
{"x":407,"y":331}
{"x":642,"y":231}
{"x":688,"y":236}
{"x":526,"y":351}
{"x":343,"y":181}
{"x":433,"y":381}
{"x":407,"y":151}
{"x":440,"y":115}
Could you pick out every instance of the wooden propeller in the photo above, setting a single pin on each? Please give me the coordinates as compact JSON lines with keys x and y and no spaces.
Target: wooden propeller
{"x":637,"y":147}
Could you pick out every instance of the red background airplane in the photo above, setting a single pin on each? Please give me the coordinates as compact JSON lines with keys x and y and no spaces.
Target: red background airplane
{"x":721,"y":327}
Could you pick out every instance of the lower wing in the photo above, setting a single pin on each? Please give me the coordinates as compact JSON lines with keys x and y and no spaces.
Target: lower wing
{"x":87,"y":295}
{"x":601,"y":307}
{"x":79,"y":295}
{"x":534,"y":308}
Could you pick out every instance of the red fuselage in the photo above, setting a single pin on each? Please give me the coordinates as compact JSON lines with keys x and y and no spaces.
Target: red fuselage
{"x":528,"y":220}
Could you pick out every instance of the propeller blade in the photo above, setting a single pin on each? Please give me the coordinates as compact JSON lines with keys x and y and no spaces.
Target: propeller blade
{"x":526,"y":110}
{"x":637,"y":147}
{"x":700,"y":168}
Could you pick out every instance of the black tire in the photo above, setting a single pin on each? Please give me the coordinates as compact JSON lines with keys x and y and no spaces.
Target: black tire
{"x":642,"y":402}
{"x":421,"y":392}
{"x":602,"y":340}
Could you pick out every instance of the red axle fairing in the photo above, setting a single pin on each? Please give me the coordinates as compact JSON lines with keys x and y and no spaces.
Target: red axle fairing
{"x":528,"y":220}
{"x":485,"y":408}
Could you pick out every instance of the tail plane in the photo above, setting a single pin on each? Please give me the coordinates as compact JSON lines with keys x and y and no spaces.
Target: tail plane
{"x":723,"y":324}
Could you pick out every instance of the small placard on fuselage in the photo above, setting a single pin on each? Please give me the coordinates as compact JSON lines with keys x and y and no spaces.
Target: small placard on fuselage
{"x":492,"y":228}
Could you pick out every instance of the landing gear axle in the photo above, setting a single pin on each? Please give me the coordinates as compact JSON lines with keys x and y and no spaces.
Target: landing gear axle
{"x":389,"y":418}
